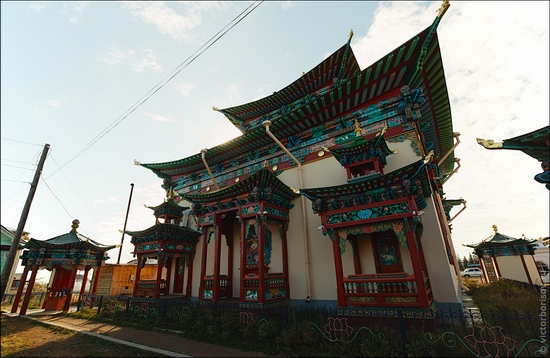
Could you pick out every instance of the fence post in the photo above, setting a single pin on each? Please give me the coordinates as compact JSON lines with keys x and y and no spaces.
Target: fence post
{"x":128,"y":304}
{"x":99,"y":305}
{"x":403,"y":332}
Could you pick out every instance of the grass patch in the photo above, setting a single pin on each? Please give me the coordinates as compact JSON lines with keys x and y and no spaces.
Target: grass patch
{"x":504,"y":295}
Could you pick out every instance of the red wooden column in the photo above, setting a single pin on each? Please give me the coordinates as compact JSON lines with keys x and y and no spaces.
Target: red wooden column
{"x":84,"y":280}
{"x":285,"y":259}
{"x":338,"y":269}
{"x":28,"y":294}
{"x":217,"y":258}
{"x":495,"y":262}
{"x":416,"y":264}
{"x":525,"y":269}
{"x":97,"y":272}
{"x":69,"y":291}
{"x":242,"y":274}
{"x":228,"y":228}
{"x":189,"y":287}
{"x":160,"y":257}
{"x":138,"y":274}
{"x":203,"y":261}
{"x":261,"y":264}
{"x":20,"y":289}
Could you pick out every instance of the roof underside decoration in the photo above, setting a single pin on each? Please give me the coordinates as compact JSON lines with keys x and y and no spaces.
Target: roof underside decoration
{"x":262,"y":185}
{"x":408,"y":180}
{"x":382,"y":92}
{"x":165,"y":231}
{"x":536,"y":144}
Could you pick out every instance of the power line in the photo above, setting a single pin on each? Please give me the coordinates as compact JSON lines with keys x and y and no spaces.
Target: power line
{"x":57,"y":198}
{"x":20,"y":141}
{"x":15,"y":166}
{"x":161,"y":84}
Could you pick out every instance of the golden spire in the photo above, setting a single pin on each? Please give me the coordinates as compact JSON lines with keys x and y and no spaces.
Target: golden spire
{"x":443,"y":9}
{"x":75,"y":225}
{"x":495,"y":229}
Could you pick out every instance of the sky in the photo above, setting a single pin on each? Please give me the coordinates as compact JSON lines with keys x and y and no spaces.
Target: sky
{"x":107,"y":83}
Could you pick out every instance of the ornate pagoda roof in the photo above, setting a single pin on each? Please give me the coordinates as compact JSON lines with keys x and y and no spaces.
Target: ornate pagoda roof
{"x":408,"y":180}
{"x":339,"y":66}
{"x":70,"y":240}
{"x":535,"y":144}
{"x":279,"y":194}
{"x":166,"y":231}
{"x":417,"y":63}
{"x":498,"y":240}
{"x":168,"y":207}
{"x":361,"y":149}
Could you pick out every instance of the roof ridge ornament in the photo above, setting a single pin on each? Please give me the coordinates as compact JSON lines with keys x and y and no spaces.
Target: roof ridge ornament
{"x":495,"y":229}
{"x":75,"y":225}
{"x":443,"y":9}
{"x":489,"y":143}
{"x":350,"y":34}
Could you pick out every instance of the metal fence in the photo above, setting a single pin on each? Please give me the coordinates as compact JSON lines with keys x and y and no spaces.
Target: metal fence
{"x":36,"y":300}
{"x":321,"y":329}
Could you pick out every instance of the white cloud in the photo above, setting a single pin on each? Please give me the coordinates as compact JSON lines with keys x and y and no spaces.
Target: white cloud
{"x":130,"y":58}
{"x":158,"y":117}
{"x":77,"y":7}
{"x":186,"y":88}
{"x":37,"y":7}
{"x":107,"y":200}
{"x":53,"y":103}
{"x":167,"y":20}
{"x":149,"y":61}
{"x":496,"y":65}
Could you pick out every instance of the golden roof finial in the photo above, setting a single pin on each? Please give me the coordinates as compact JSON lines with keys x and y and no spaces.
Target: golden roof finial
{"x":443,"y":9}
{"x":495,"y":229}
{"x":357,"y":129}
{"x":75,"y":225}
{"x":350,"y":34}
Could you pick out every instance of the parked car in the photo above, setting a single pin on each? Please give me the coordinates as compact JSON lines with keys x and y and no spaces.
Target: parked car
{"x":472,"y":272}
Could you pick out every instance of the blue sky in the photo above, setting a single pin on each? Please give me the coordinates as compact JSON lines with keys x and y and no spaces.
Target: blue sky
{"x":71,"y":71}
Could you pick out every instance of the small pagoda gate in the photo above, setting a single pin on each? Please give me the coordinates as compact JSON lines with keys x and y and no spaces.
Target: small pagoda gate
{"x":251,"y":214}
{"x":172,"y":245}
{"x":503,"y":256}
{"x":64,"y":255}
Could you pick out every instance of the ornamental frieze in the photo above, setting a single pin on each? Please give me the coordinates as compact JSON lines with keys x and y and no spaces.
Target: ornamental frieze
{"x":370,"y":213}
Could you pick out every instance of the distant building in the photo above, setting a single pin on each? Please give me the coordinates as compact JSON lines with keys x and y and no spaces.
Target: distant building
{"x":7,"y":238}
{"x":503,"y":256}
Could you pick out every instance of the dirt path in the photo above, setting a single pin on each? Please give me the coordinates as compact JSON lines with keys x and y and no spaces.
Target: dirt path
{"x":164,"y":341}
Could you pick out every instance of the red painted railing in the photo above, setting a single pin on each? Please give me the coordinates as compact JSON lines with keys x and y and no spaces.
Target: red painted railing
{"x":384,"y":290}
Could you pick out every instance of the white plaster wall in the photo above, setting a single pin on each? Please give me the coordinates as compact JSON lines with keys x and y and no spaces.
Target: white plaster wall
{"x":532,"y":269}
{"x":510,"y":267}
{"x":444,"y":281}
{"x":405,"y":155}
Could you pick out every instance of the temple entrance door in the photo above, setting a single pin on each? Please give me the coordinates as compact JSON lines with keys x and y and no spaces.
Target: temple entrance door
{"x":386,"y":252}
{"x":179,"y":276}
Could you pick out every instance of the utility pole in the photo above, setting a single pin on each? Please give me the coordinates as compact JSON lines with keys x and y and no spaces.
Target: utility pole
{"x":10,"y":259}
{"x":125,"y":221}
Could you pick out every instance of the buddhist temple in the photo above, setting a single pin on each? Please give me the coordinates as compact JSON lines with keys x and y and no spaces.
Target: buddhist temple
{"x":503,"y":256}
{"x":333,"y":193}
{"x":64,"y":255}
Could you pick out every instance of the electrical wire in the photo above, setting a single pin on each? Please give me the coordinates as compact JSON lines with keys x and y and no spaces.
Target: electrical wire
{"x":161,"y":84}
